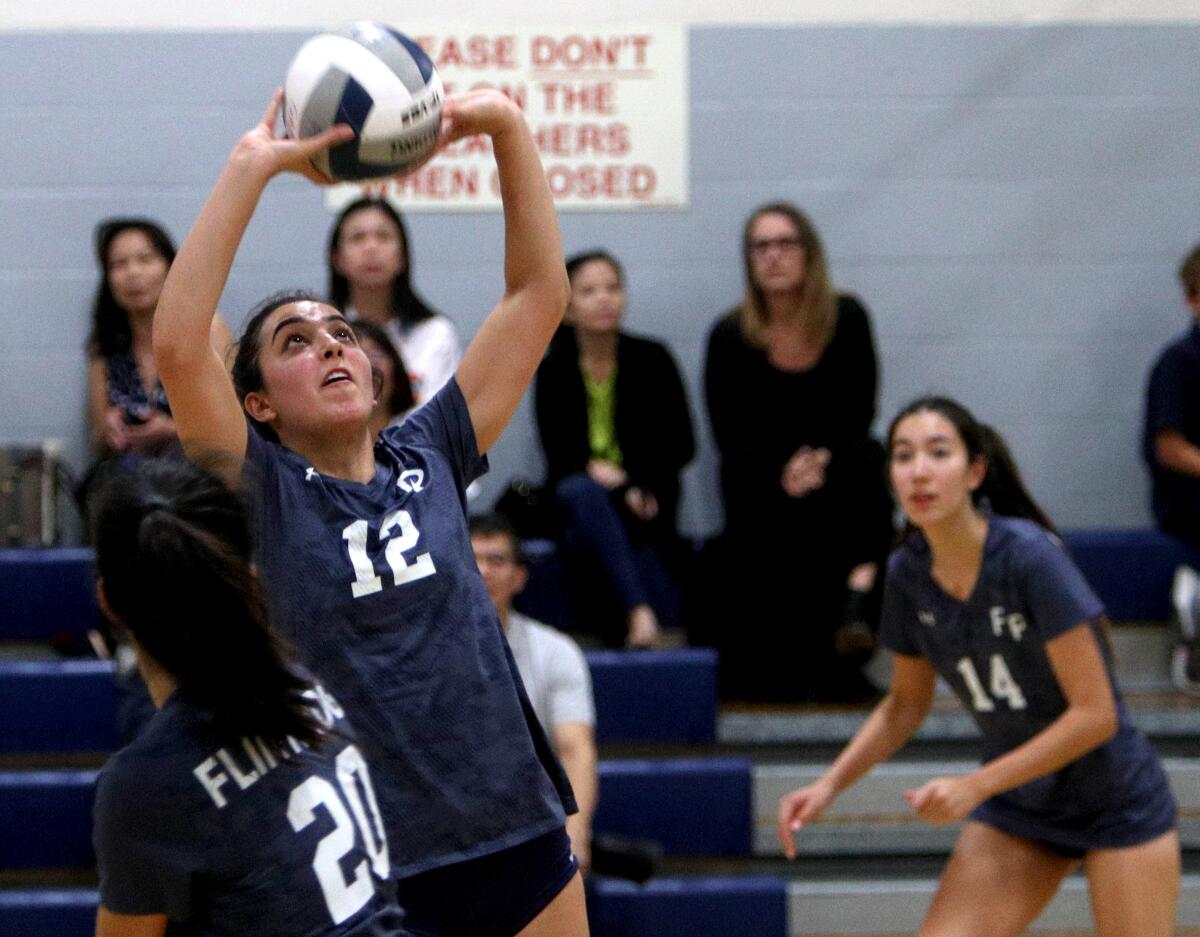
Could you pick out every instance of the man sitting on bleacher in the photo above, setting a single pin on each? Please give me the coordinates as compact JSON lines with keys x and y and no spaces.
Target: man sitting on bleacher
{"x":552,"y":668}
{"x":1171,"y":447}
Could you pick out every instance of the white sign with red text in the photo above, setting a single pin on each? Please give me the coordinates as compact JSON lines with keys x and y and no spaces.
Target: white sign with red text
{"x":607,"y":107}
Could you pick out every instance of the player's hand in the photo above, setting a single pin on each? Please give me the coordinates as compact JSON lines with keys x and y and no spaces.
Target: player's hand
{"x":800,"y":807}
{"x":945,"y":800}
{"x":481,"y":111}
{"x":264,"y":148}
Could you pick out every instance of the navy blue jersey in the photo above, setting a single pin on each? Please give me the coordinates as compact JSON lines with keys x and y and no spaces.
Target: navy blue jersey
{"x":376,"y":586}
{"x":232,"y":837}
{"x":991,"y":650}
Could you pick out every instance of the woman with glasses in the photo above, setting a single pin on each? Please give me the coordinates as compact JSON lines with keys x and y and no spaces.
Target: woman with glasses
{"x":791,"y":378}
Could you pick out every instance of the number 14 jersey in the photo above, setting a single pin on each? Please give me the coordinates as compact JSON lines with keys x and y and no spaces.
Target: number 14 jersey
{"x":991,"y":649}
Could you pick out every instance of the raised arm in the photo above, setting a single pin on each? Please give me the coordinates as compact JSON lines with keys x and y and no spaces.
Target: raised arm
{"x":890,"y":725}
{"x":208,"y":414}
{"x":500,"y":362}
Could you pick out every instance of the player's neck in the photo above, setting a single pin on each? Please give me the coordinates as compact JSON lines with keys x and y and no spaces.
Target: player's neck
{"x":372,"y":303}
{"x":349,"y":454}
{"x":159,"y":683}
{"x":957,"y":543}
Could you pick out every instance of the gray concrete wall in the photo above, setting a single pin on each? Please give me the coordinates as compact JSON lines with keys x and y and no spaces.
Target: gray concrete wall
{"x":1010,"y":201}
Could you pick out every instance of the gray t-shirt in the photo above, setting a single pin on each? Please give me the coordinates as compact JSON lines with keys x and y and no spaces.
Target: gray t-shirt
{"x":554,"y":671}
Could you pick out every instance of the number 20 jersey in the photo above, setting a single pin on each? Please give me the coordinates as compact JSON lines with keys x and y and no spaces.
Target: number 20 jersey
{"x":376,"y":587}
{"x":991,"y":650}
{"x":233,"y":837}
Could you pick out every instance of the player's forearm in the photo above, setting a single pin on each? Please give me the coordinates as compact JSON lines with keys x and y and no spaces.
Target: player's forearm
{"x":890,"y":725}
{"x":183,"y":320}
{"x":533,"y":252}
{"x":580,"y":764}
{"x":1072,"y":735}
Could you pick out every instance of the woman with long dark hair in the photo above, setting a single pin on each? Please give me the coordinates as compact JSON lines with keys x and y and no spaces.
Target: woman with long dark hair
{"x":363,"y":543}
{"x":791,"y":379}
{"x":982,"y":593}
{"x":126,"y":401}
{"x":613,"y":419}
{"x":244,"y":806}
{"x":370,"y":279}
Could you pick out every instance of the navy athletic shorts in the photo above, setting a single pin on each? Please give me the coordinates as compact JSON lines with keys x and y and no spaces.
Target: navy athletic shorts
{"x":492,"y":896}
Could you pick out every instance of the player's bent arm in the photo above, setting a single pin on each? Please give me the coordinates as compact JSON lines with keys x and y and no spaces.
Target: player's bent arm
{"x":501,"y":360}
{"x":892,"y":723}
{"x":1174,"y":452}
{"x":109,"y":924}
{"x":1089,"y":720}
{"x":575,"y":744}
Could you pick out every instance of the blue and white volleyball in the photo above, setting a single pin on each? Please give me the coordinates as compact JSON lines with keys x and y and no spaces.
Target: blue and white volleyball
{"x":379,"y":82}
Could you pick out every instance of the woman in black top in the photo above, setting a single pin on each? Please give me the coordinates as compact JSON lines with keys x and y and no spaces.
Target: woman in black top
{"x":791,"y":379}
{"x":614,"y":423}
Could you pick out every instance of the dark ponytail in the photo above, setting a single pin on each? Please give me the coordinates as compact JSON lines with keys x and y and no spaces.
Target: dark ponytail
{"x":173,"y":552}
{"x":1002,"y":491}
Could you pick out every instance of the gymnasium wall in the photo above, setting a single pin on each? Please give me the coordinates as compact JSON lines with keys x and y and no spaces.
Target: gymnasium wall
{"x":1010,"y":197}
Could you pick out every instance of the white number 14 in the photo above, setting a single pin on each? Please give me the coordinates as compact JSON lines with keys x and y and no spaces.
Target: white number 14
{"x":1002,"y":684}
{"x":366,"y":582}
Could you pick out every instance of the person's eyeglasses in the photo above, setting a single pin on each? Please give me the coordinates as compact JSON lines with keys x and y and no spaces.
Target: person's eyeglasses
{"x":764,"y":246}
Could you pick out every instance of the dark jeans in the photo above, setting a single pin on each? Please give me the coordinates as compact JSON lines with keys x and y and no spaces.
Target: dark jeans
{"x":611,"y":571}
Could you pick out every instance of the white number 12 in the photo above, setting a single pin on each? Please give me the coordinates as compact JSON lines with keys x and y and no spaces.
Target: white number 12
{"x":366,"y":582}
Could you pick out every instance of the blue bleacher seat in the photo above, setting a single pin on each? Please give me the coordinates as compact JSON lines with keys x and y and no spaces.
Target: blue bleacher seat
{"x":46,"y":819}
{"x":48,"y":912}
{"x":57,"y":706}
{"x":1130,"y":570}
{"x":692,"y":806}
{"x":689,"y":907}
{"x":655,"y":696}
{"x":44,"y":593}
{"x":545,"y":594}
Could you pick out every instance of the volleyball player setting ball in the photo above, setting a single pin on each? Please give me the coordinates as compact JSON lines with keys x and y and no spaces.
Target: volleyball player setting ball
{"x":364,"y":550}
{"x":244,"y":806}
{"x":988,"y":599}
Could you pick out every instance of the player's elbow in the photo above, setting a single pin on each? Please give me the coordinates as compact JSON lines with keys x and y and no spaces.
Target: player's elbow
{"x":1102,"y":722}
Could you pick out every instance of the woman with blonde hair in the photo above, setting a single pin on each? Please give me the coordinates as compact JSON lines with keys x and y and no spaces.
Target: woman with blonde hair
{"x":791,"y":381}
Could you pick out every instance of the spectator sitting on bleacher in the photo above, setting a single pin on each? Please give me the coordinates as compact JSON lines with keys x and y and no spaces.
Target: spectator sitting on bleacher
{"x":614,"y":423}
{"x":394,"y":398}
{"x":1171,"y":448}
{"x":130,"y":416}
{"x":552,"y":668}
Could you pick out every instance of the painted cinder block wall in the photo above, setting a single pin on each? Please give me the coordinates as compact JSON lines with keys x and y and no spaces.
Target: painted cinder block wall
{"x":1010,"y":201}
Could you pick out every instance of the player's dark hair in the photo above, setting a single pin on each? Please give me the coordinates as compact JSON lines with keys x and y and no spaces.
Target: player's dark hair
{"x":498,"y":525}
{"x":405,"y":305}
{"x":173,"y":554}
{"x":111,"y":332}
{"x":402,"y":398}
{"x":247,"y":369}
{"x":1003,"y":491}
{"x":1189,"y":274}
{"x":576,"y":261}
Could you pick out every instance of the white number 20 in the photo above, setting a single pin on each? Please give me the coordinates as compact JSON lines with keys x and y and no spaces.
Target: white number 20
{"x":344,"y":899}
{"x":1002,"y":683}
{"x":366,"y":582}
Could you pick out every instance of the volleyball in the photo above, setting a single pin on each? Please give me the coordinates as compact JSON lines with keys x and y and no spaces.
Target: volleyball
{"x":379,"y":82}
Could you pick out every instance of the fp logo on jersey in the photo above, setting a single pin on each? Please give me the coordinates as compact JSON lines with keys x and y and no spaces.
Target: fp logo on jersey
{"x":411,"y":480}
{"x":1014,"y":622}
